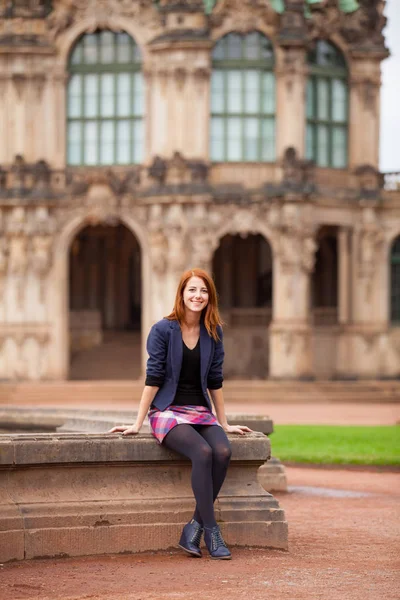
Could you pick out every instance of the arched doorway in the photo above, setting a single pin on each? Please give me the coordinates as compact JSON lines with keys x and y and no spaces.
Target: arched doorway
{"x":105,"y":303}
{"x":242,"y":269}
{"x":324,"y":287}
{"x":325,"y":301}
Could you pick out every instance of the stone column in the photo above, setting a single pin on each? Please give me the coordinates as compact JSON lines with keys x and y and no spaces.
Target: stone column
{"x":364,"y":112}
{"x":290,"y":331}
{"x":180,"y":78}
{"x":361,"y":344}
{"x":290,"y":79}
{"x":344,"y":276}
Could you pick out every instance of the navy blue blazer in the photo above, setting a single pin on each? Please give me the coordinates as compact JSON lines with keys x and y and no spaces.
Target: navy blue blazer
{"x":164,"y":346}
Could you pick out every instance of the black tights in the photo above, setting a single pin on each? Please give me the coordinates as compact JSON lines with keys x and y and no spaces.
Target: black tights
{"x":209,"y":450}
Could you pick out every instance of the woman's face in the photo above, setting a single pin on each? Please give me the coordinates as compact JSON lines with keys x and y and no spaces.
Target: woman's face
{"x":195,"y":295}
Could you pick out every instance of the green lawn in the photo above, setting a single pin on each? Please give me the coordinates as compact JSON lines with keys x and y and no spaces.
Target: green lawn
{"x":330,"y":444}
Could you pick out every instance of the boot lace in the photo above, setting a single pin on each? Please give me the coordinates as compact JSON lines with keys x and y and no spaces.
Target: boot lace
{"x":196,"y":537}
{"x":217,"y":540}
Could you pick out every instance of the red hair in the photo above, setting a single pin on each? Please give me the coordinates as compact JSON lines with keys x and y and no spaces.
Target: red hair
{"x":210,"y":314}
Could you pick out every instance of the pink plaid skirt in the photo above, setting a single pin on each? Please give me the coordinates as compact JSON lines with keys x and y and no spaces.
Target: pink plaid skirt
{"x":161,"y":422}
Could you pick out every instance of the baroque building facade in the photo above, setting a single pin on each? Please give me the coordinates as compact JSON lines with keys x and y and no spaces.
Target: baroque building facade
{"x":139,"y":138}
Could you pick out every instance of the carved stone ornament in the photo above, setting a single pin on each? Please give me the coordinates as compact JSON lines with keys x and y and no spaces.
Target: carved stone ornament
{"x":294,"y":241}
{"x":361,"y":29}
{"x":203,"y":238}
{"x":298,"y":174}
{"x":243,"y":15}
{"x":371,"y":238}
{"x":178,"y":171}
{"x":100,"y":13}
{"x":293,"y":29}
{"x":175,"y":222}
{"x":158,"y":243}
{"x":369,"y":181}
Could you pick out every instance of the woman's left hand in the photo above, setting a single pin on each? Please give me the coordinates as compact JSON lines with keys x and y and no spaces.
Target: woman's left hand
{"x":240,"y":429}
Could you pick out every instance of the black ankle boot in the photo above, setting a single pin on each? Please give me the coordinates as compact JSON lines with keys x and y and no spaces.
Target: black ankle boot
{"x":190,"y":538}
{"x":215,"y":544}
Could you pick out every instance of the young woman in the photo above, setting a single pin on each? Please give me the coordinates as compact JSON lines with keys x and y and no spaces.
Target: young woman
{"x":186,"y":355}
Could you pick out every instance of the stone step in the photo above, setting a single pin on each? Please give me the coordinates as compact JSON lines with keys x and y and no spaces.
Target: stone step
{"x":127,"y":393}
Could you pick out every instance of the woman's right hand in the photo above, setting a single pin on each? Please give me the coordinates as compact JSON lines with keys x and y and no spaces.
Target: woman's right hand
{"x":126,"y":429}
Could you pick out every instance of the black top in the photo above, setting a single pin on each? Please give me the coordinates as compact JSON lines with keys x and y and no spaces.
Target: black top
{"x":189,"y":390}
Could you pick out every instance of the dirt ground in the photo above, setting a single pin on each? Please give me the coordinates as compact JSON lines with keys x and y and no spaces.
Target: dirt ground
{"x":344,"y":545}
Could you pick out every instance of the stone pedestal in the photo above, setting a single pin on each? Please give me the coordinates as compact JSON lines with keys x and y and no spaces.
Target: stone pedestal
{"x":272,"y":476}
{"x":82,"y":494}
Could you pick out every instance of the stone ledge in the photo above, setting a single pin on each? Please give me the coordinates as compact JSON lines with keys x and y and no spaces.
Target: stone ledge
{"x":74,"y":448}
{"x":81,"y":494}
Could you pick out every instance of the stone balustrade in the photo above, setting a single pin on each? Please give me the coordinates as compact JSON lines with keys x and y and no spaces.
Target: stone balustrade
{"x":81,"y":494}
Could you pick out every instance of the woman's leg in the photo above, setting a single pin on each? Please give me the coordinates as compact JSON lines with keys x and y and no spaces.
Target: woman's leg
{"x":187,"y":441}
{"x":221,"y":455}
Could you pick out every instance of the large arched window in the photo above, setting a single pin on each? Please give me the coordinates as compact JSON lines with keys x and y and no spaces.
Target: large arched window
{"x":327,"y":107}
{"x":105,"y":101}
{"x":243,"y":99}
{"x":395,"y":282}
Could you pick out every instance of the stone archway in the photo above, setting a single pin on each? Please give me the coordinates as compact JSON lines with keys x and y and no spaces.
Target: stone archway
{"x":105,"y":303}
{"x":59,"y":350}
{"x":243,"y":272}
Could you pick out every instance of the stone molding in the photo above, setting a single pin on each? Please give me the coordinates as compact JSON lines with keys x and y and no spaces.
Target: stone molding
{"x":102,"y":14}
{"x":242,"y":16}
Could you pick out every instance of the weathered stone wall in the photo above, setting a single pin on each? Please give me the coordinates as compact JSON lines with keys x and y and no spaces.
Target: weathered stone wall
{"x":176,"y":203}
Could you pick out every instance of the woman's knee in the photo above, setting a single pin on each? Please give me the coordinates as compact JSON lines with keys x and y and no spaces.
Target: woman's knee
{"x":204,"y":454}
{"x":223,"y":453}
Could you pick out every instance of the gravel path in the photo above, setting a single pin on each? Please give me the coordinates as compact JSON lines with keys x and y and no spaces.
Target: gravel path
{"x":343,"y":546}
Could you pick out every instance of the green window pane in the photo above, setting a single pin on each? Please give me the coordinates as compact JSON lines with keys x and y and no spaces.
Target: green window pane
{"x":74,"y":143}
{"x":310,"y":142}
{"x":219,"y":50}
{"x":322,"y":146}
{"x":107,"y":143}
{"x":217,"y":92}
{"x":252,"y":94}
{"x":339,"y":100}
{"x":77,"y":55}
{"x":268,"y":94}
{"x":75,"y":96}
{"x":268,"y":140}
{"x":339,"y":147}
{"x":123,"y":142}
{"x":251,"y":138}
{"x":323,"y":99}
{"x":310,"y":99}
{"x":124,"y":48}
{"x":91,"y":95}
{"x":138,"y":97}
{"x":242,"y":93}
{"x":107,"y":49}
{"x":234,"y":138}
{"x":90,"y":53}
{"x":252,"y":46}
{"x":91,"y":144}
{"x":234,"y":92}
{"x":123,"y":94}
{"x":217,"y":135}
{"x":105,"y":85}
{"x":107,"y":95}
{"x":234,"y":46}
{"x":138,"y":138}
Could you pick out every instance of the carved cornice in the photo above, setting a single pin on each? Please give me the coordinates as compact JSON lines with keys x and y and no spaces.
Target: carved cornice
{"x":243,"y":15}
{"x":361,"y":31}
{"x":102,"y":13}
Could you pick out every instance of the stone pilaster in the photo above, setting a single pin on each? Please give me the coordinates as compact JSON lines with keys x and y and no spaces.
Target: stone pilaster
{"x":290,"y":331}
{"x":290,"y":79}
